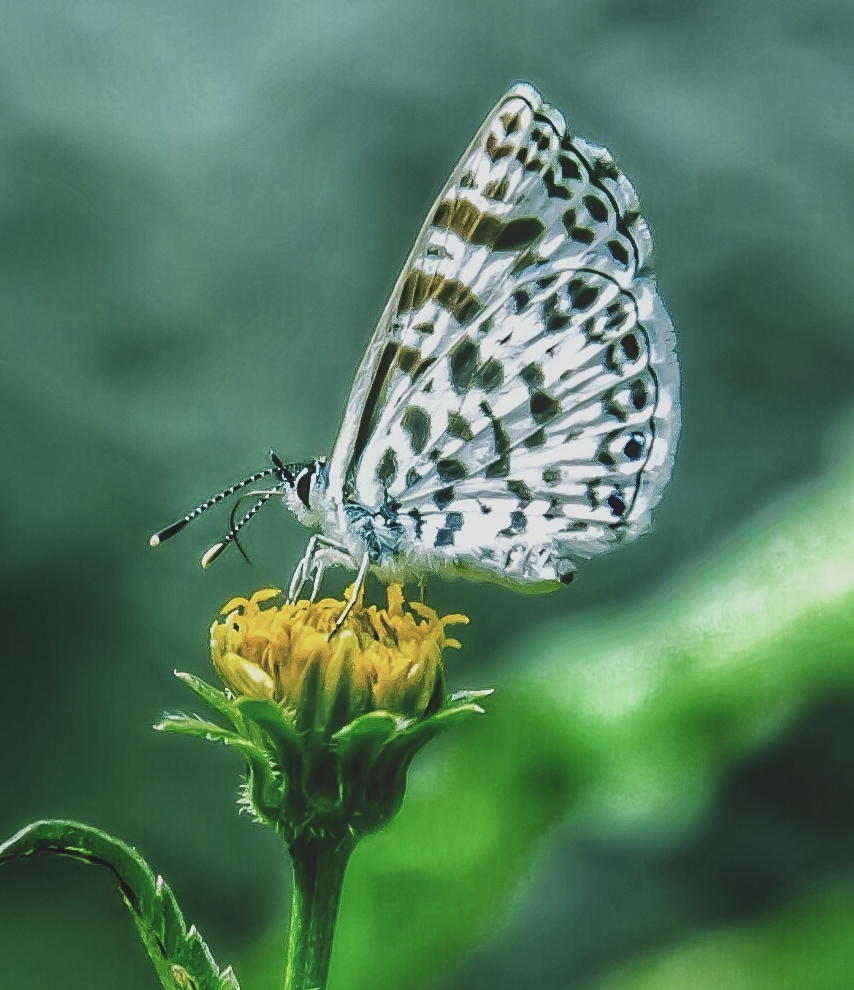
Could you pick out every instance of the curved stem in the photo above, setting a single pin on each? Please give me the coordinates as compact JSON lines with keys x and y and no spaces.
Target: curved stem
{"x":319,"y":866}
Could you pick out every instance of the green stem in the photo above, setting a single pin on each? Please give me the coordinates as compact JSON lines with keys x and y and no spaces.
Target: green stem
{"x":319,"y":866}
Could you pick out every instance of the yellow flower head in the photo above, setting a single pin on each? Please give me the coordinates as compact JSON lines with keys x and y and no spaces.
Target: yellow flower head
{"x":382,"y":659}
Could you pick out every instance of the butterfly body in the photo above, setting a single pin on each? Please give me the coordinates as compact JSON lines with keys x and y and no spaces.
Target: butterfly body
{"x":517,"y":408}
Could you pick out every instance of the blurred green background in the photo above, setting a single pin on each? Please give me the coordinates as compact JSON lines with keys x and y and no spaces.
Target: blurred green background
{"x":202,"y":209}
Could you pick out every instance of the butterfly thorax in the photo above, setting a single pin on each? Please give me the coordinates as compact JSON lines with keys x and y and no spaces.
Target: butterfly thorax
{"x":381,"y":531}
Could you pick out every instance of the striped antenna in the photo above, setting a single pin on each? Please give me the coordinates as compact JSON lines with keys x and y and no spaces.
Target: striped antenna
{"x":231,"y":536}
{"x":176,"y":527}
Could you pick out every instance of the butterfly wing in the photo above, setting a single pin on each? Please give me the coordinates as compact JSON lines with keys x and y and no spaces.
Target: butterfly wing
{"x":519,"y":399}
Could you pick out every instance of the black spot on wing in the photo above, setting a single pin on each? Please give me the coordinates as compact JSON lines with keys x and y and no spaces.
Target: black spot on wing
{"x":634,"y":446}
{"x":444,"y":538}
{"x":555,"y":190}
{"x":499,"y":468}
{"x":555,"y":320}
{"x":619,"y":253}
{"x":639,"y":393}
{"x":489,"y":375}
{"x":521,"y":491}
{"x":500,"y":437}
{"x":616,"y":503}
{"x":597,"y":209}
{"x":520,"y":299}
{"x":630,"y":346}
{"x":463,"y":359}
{"x":544,"y":407}
{"x":532,"y":376}
{"x":450,"y":469}
{"x":536,"y":439}
{"x":497,"y":189}
{"x":416,"y":422}
{"x":418,"y":523}
{"x":512,"y":122}
{"x":459,"y":427}
{"x":443,"y":497}
{"x":520,"y":233}
{"x":569,"y":168}
{"x":582,"y":294}
{"x":495,"y":150}
{"x":387,"y":468}
{"x":604,"y":168}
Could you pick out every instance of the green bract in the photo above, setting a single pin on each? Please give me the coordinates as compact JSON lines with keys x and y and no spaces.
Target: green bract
{"x":307,"y":774}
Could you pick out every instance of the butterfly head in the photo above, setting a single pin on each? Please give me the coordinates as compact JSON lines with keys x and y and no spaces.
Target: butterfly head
{"x":299,"y":485}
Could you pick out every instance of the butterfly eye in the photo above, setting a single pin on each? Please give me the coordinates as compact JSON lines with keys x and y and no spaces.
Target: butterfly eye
{"x":304,"y":486}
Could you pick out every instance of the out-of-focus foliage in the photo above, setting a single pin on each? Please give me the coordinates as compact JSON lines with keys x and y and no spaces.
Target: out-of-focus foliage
{"x":202,"y":209}
{"x":808,"y":947}
{"x":625,"y":722}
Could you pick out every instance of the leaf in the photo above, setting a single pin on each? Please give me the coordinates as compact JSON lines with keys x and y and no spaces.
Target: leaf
{"x":180,"y":956}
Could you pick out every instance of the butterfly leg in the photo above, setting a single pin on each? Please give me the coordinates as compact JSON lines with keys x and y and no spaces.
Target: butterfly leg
{"x":319,"y":571}
{"x":299,"y":575}
{"x":307,"y":567}
{"x":354,"y":594}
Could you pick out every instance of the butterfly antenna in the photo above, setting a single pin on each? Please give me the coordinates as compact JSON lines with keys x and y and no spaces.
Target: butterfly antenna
{"x":176,"y":527}
{"x":234,"y":529}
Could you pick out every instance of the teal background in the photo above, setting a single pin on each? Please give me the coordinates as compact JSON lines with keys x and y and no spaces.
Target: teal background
{"x":203,"y":207}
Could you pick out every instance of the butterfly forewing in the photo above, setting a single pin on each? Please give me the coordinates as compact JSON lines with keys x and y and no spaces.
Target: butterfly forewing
{"x":519,"y":399}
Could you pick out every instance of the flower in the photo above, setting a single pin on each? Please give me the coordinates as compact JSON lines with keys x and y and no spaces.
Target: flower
{"x":328,"y":721}
{"x":381,"y":659}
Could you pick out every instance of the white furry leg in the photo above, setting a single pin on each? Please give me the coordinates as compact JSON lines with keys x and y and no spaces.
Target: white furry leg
{"x":313,"y":563}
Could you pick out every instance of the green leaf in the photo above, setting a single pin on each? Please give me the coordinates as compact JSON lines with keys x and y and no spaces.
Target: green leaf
{"x":180,"y":957}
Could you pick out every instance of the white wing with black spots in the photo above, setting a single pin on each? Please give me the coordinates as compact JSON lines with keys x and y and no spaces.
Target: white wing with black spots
{"x":518,"y":404}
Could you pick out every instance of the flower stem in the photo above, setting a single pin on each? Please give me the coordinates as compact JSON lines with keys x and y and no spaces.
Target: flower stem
{"x":319,"y":866}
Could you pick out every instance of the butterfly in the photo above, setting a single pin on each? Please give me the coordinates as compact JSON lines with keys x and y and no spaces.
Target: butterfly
{"x":517,"y":409}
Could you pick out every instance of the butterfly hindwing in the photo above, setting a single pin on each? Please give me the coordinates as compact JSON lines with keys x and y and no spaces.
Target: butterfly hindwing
{"x":518,"y":400}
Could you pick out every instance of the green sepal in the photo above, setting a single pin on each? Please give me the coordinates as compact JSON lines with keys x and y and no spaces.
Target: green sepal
{"x":304,"y":778}
{"x":468,"y":697}
{"x":216,"y":699}
{"x":277,"y":735}
{"x":180,"y":957}
{"x":359,"y":744}
{"x":386,"y":786}
{"x":190,"y":725}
